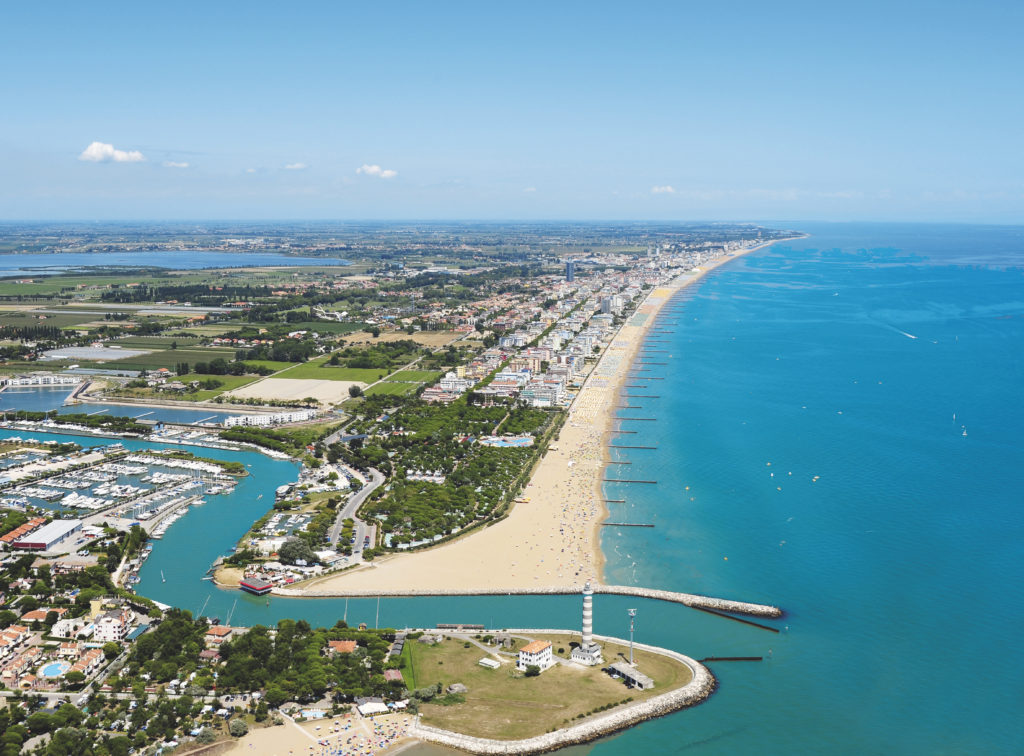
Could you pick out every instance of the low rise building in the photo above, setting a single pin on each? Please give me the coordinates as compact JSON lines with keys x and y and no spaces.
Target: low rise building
{"x":537,"y":654}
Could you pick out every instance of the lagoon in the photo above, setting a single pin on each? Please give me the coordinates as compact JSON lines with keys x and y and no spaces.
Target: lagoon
{"x":48,"y":265}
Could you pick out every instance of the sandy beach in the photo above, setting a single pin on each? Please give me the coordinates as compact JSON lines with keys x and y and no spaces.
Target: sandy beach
{"x":345,"y":735}
{"x":552,"y":537}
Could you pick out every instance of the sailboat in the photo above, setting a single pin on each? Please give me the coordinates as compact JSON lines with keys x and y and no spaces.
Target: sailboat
{"x":162,"y":578}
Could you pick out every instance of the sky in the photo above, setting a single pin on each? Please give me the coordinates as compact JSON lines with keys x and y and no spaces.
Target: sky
{"x":518,"y":110}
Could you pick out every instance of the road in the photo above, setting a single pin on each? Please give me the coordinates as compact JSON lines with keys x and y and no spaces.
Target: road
{"x":352,"y":506}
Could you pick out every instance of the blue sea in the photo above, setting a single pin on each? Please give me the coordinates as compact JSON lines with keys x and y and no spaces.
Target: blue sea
{"x":839,"y":433}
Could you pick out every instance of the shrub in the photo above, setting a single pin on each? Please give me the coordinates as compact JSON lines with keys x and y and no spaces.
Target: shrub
{"x":238,"y":728}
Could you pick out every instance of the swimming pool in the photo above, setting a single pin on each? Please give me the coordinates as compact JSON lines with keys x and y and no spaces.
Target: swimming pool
{"x":55,"y":669}
{"x":507,"y":441}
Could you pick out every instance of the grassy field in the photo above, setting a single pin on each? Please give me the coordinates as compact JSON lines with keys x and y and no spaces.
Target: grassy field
{"x":319,"y":370}
{"x":230,"y":382}
{"x":275,"y":366}
{"x":326,"y":326}
{"x":501,"y":704}
{"x":421,"y":376}
{"x":392,"y":388}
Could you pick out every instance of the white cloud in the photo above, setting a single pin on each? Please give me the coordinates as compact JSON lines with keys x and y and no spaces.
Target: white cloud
{"x":101,"y":152}
{"x":663,"y":189}
{"x":376,"y":170}
{"x":530,"y":189}
{"x":174,"y":164}
{"x":296,"y":167}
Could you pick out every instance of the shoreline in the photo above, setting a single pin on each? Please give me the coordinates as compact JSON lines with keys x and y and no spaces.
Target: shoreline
{"x":551,"y":537}
{"x":653,"y":312}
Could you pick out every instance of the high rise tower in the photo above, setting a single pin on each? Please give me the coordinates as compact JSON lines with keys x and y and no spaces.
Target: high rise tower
{"x":588,"y":652}
{"x":570,"y":271}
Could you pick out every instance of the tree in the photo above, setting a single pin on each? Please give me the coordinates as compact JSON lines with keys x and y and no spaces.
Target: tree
{"x":206,"y":736}
{"x":75,"y":677}
{"x":295,"y":549}
{"x":238,"y":728}
{"x":111,"y":650}
{"x":354,"y":391}
{"x":532,"y":670}
{"x":7,"y":618}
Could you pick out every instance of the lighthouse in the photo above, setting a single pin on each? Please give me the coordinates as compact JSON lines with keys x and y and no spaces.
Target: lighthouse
{"x":588,"y":652}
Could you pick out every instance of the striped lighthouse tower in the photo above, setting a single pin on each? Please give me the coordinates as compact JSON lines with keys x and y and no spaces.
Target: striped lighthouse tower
{"x":588,"y":617}
{"x":588,"y":652}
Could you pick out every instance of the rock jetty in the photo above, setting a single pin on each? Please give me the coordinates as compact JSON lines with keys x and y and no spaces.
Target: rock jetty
{"x":689,"y":599}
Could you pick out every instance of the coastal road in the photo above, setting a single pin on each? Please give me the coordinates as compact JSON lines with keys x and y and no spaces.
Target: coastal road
{"x":352,"y":506}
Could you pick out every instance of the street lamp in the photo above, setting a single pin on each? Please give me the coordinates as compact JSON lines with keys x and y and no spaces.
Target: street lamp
{"x":632,"y":617}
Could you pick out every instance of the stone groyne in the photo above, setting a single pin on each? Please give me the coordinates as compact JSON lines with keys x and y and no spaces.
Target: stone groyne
{"x":695,"y":691}
{"x":688,"y":599}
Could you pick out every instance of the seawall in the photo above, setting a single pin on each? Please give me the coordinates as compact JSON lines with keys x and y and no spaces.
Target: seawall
{"x":695,"y":691}
{"x":688,"y":599}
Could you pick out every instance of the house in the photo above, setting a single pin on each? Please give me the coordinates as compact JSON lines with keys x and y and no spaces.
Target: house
{"x":392,"y":675}
{"x":39,"y":615}
{"x":217,"y":634}
{"x":537,"y":654}
{"x":68,"y":650}
{"x":341,"y":647}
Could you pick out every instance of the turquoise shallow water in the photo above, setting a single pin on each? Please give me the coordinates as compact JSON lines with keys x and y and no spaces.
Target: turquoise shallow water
{"x":899,"y":567}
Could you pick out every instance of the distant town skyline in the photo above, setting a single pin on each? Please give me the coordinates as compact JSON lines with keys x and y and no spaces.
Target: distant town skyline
{"x":587,"y":111}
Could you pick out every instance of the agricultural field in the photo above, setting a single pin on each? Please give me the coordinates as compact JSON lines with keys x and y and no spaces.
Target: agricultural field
{"x":55,"y":320}
{"x":326,"y":326}
{"x":169,"y":358}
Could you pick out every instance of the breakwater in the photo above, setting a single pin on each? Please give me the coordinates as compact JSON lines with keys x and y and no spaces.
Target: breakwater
{"x":687,"y":599}
{"x":701,"y":685}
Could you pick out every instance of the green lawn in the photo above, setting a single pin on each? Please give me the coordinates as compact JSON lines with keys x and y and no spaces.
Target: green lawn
{"x":392,"y":388}
{"x":502,"y":704}
{"x":25,"y":319}
{"x":319,"y":370}
{"x":423,"y":376}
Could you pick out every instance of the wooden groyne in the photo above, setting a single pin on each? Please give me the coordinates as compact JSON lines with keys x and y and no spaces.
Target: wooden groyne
{"x":623,"y":480}
{"x":692,"y":600}
{"x":647,"y":419}
{"x":619,"y":463}
{"x":701,"y":685}
{"x":628,"y":524}
{"x":730,"y":658}
{"x":621,"y":446}
{"x":718,"y":613}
